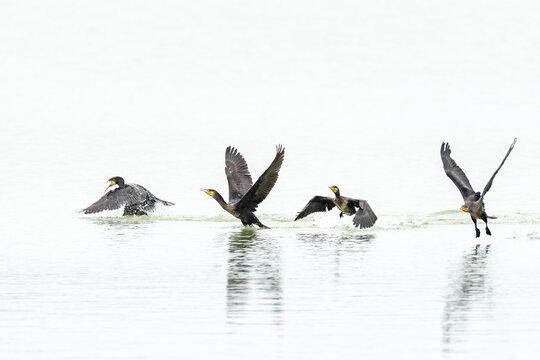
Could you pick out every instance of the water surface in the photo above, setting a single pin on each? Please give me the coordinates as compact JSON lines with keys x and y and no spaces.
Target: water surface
{"x":106,"y":287}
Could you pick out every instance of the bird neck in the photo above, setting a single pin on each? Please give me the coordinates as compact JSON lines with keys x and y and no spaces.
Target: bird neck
{"x":219,"y":199}
{"x":337,"y":194}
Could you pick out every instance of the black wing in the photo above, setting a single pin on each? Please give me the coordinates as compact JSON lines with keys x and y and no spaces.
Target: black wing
{"x":455,"y":173}
{"x":316,"y":204}
{"x":114,"y":200}
{"x":260,"y":190}
{"x":238,"y":175}
{"x":490,"y":182}
{"x":364,"y":217}
{"x":144,"y":194}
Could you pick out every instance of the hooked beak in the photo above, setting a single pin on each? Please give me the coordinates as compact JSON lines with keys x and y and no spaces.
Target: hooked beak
{"x":332,"y":188}
{"x":111,"y":183}
{"x":206,"y":191}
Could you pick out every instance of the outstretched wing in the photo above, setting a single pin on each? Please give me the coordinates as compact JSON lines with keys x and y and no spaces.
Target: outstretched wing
{"x":364,"y":217}
{"x":238,"y":175}
{"x":490,"y":182}
{"x":114,"y":200}
{"x":455,"y":173}
{"x":260,"y":190}
{"x":316,"y":204}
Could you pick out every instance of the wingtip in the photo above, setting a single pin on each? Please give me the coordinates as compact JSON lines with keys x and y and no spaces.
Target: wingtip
{"x":445,"y":148}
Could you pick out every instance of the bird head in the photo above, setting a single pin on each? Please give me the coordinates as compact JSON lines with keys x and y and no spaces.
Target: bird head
{"x":334,"y":189}
{"x":209,"y":192}
{"x":117,"y":180}
{"x":464,"y":208}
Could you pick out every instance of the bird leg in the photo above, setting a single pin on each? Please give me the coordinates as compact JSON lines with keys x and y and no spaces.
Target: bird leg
{"x":341,"y":214}
{"x":476,"y":227}
{"x":485,"y":218}
{"x":260,"y":224}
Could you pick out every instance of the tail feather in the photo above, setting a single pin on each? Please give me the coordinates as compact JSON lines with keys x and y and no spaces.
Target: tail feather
{"x":166,"y":203}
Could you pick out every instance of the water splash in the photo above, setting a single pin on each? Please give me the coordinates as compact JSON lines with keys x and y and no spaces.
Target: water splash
{"x":321,"y":221}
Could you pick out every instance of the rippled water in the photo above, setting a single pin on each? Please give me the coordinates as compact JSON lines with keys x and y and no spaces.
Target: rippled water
{"x":105,"y":287}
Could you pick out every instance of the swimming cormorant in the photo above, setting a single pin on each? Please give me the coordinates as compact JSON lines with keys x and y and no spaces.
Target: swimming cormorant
{"x":364,"y":217}
{"x":474,"y":201}
{"x":244,"y":196}
{"x":137,"y":200}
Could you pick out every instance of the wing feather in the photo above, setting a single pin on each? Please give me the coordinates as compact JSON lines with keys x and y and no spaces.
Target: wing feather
{"x":114,"y":200}
{"x":364,"y":217}
{"x":316,"y":204}
{"x":454,"y":172}
{"x":238,"y":175}
{"x":260,"y":190}
{"x":490,"y":182}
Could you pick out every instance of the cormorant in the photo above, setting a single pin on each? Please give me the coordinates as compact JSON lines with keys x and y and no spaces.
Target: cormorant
{"x":244,"y":196}
{"x":364,"y":217}
{"x":474,"y":201}
{"x":137,"y":200}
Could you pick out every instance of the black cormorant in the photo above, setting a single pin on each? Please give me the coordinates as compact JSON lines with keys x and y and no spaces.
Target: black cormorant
{"x":474,"y":201}
{"x":364,"y":217}
{"x":137,"y":200}
{"x":244,"y":196}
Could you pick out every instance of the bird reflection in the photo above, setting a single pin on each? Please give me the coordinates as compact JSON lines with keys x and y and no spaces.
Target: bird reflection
{"x":254,"y":292}
{"x":118,"y":227}
{"x":468,"y":287}
{"x":341,"y":245}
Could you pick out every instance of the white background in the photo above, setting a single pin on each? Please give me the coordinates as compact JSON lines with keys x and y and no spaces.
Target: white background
{"x":361,"y":94}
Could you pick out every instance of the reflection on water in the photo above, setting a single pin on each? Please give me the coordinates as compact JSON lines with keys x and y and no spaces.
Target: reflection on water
{"x":336,"y":246}
{"x":253,"y":277}
{"x":466,"y":299}
{"x":118,"y":228}
{"x":349,"y":241}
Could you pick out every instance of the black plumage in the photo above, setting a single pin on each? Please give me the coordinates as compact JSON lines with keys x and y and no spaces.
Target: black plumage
{"x":364,"y":217}
{"x":136,"y":199}
{"x":244,"y":196}
{"x":473,"y":201}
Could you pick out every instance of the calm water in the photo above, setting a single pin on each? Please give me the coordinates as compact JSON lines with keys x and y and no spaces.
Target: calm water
{"x":360,"y":93}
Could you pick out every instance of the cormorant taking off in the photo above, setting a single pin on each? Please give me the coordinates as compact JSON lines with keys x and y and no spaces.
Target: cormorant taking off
{"x":364,"y":217}
{"x":136,"y":198}
{"x":244,"y":196}
{"x":473,"y":201}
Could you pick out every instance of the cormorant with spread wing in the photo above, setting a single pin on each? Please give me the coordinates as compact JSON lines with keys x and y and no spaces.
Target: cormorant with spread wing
{"x":244,"y":196}
{"x":474,"y":201}
{"x":137,"y":200}
{"x":364,"y":217}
